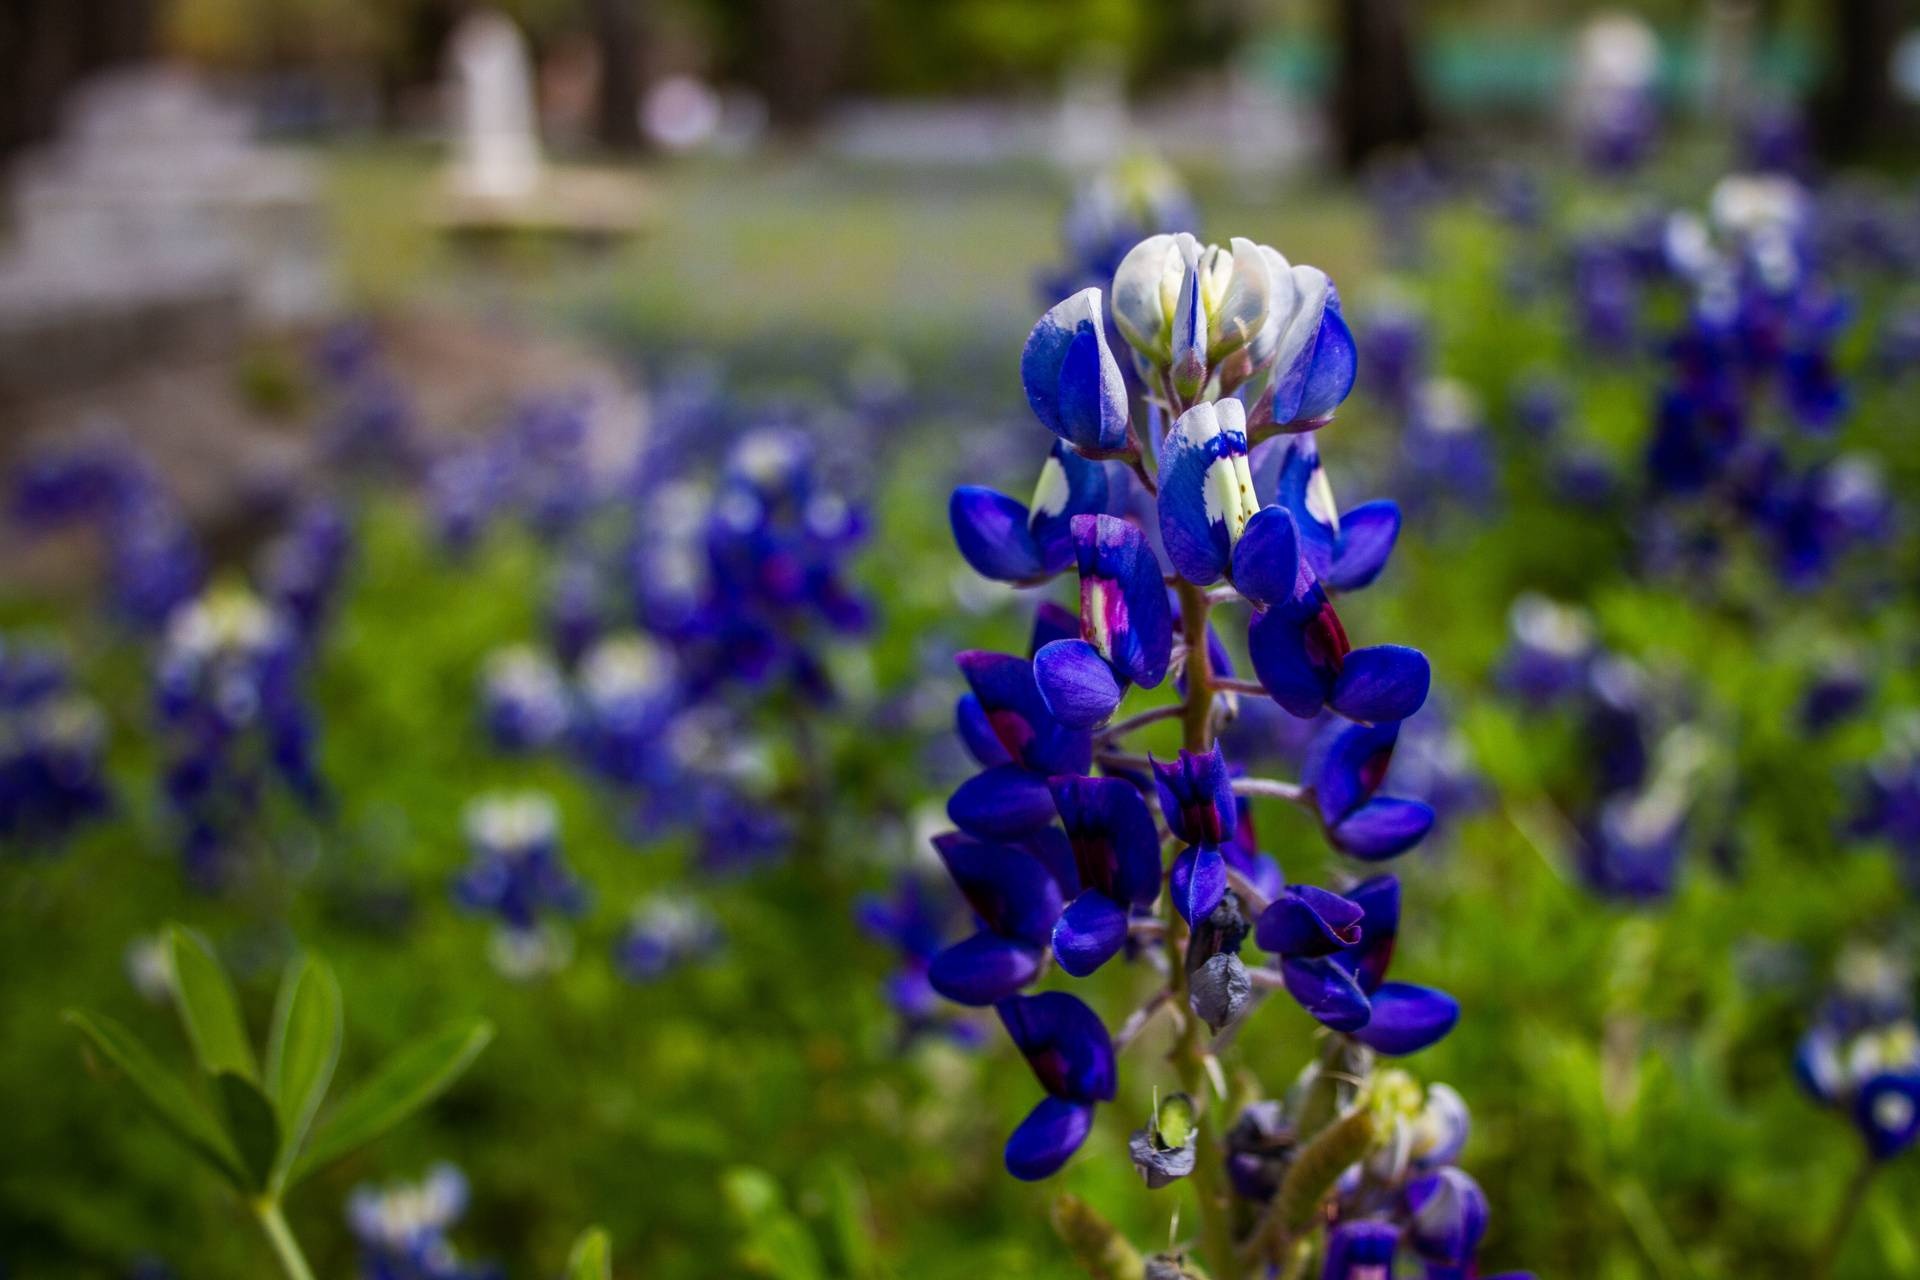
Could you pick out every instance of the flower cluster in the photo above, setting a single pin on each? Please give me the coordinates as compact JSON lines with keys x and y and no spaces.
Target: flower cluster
{"x":155,"y":562}
{"x":1862,"y":1054}
{"x":402,"y":1229}
{"x":1062,"y":837}
{"x":52,"y":748}
{"x":235,"y":724}
{"x":518,"y":875}
{"x":665,"y":932}
{"x":1640,"y":773}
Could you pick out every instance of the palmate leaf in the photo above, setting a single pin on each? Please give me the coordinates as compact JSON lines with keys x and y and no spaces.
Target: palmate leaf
{"x":208,"y":1008}
{"x":251,"y":1125}
{"x":407,"y":1081}
{"x":302,"y":1051}
{"x":164,"y":1094}
{"x":592,"y":1256}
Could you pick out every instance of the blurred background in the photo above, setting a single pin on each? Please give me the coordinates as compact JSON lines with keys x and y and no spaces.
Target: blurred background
{"x":381,"y":382}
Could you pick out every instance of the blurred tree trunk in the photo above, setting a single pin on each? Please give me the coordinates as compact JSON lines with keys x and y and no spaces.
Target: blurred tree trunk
{"x":1857,"y":111}
{"x":799,"y":57}
{"x":1377,"y":102}
{"x":617,"y":26}
{"x":45,"y":49}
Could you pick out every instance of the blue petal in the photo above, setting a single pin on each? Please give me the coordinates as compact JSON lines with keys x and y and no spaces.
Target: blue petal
{"x":1382,"y":828}
{"x":1887,"y":1110}
{"x":976,"y":731}
{"x":1115,"y":843}
{"x":1196,"y":796}
{"x":1052,"y":622}
{"x":1381,"y":682}
{"x":1089,"y":933}
{"x":1070,"y":486}
{"x":1309,"y":502}
{"x":1008,"y":694}
{"x":1077,"y":684}
{"x":1047,"y":1138}
{"x":983,"y":969}
{"x":1064,"y":1042}
{"x":1447,"y":1216}
{"x":1198,"y":881}
{"x":1327,"y":992}
{"x":1346,"y":764}
{"x":991,"y":530}
{"x":1379,"y":899}
{"x":1123,"y":597}
{"x":1011,"y":891}
{"x":1361,"y":1249}
{"x":1003,"y":803}
{"x":1204,"y":437}
{"x":1051,"y":847}
{"x":1306,"y":921}
{"x":1297,"y":649}
{"x":1406,"y":1018}
{"x":1073,"y":383}
{"x":1335,"y":363}
{"x":1367,"y":535}
{"x":1266,"y":560}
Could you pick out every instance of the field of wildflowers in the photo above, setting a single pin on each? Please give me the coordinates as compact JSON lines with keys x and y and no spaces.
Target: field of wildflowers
{"x":797,"y":840}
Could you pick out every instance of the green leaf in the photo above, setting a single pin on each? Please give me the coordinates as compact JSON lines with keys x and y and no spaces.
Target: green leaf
{"x":164,"y":1094}
{"x":774,"y":1242}
{"x":208,"y":1007}
{"x":406,"y":1082}
{"x":302,"y":1052}
{"x":251,"y":1125}
{"x":592,"y":1256}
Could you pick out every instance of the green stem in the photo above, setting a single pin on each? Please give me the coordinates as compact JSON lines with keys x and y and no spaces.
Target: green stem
{"x":1849,"y":1208}
{"x":1209,"y":1171}
{"x":280,"y":1236}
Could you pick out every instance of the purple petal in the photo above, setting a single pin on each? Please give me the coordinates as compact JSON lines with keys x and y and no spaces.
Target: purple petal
{"x":1123,"y":598}
{"x":1407,"y":1018}
{"x":976,"y":731}
{"x":1379,"y":899}
{"x":1447,"y":1216}
{"x":983,"y":969}
{"x":1011,"y":891}
{"x":1361,"y":1249}
{"x":1381,"y":682}
{"x":1116,"y":846}
{"x":1327,"y":992}
{"x":1196,"y":796}
{"x":1052,"y":622}
{"x":1089,"y":933}
{"x":1198,"y":881}
{"x":1297,"y":650}
{"x":1003,"y":803}
{"x":1306,"y":921}
{"x":1382,"y":828}
{"x":991,"y":530}
{"x":1346,"y":764}
{"x":1047,"y":1138}
{"x":1887,"y":1111}
{"x":1064,"y":1042}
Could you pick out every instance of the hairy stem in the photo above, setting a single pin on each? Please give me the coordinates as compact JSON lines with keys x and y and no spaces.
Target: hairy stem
{"x":285,"y":1248}
{"x":1216,"y":1225}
